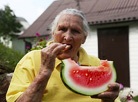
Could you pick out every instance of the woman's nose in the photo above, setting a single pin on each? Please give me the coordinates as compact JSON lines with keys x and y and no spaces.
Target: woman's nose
{"x":68,"y":36}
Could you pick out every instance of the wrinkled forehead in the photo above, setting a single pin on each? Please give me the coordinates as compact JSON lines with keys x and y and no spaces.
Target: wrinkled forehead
{"x":69,"y":18}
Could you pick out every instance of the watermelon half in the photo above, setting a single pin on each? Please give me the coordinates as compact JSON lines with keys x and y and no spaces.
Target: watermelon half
{"x":87,"y":80}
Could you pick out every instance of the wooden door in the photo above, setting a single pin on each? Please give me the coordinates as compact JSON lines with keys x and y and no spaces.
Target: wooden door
{"x":113,"y":44}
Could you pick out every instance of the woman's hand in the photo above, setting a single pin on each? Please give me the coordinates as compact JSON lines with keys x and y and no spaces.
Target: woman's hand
{"x":49,"y":54}
{"x":110,"y":95}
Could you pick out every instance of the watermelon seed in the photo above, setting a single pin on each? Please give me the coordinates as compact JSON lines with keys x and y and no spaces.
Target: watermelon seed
{"x":90,"y":79}
{"x":86,"y":74}
{"x":77,"y":71}
{"x":74,"y":71}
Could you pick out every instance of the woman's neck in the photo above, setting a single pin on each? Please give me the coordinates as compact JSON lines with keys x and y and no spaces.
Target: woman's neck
{"x":76,"y":58}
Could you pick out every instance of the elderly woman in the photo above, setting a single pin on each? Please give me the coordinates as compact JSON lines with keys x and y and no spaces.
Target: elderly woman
{"x":37,"y":76}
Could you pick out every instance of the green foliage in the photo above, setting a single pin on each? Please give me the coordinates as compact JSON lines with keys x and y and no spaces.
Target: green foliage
{"x":40,"y":42}
{"x":8,"y":22}
{"x":39,"y":45}
{"x":8,"y":58}
{"x":136,"y":99}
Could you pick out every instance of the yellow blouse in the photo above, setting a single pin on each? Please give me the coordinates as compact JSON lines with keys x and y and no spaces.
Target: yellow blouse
{"x":55,"y":91}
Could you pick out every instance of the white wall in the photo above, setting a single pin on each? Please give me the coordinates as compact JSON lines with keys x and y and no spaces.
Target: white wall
{"x":91,"y":44}
{"x":133,"y":55}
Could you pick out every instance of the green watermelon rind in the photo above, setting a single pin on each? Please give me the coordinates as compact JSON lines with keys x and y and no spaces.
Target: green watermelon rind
{"x":82,"y":90}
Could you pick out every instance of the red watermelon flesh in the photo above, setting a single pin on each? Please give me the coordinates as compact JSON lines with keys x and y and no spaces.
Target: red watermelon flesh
{"x":87,"y":80}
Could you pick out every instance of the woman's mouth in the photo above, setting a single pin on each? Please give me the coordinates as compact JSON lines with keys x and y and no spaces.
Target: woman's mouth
{"x":68,"y":47}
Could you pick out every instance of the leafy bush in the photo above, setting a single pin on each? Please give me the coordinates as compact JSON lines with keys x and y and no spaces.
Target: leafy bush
{"x":8,"y":58}
{"x":40,"y":42}
{"x":39,"y":45}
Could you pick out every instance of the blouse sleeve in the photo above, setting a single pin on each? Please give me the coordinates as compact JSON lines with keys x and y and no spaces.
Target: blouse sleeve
{"x":23,"y":75}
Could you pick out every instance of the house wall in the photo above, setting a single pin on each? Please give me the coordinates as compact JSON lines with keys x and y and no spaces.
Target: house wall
{"x":133,"y":49}
{"x":91,"y":46}
{"x":91,"y":43}
{"x":18,"y":44}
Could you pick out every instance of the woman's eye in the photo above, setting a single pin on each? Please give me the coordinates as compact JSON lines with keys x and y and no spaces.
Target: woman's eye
{"x":62,"y":29}
{"x":75,"y":31}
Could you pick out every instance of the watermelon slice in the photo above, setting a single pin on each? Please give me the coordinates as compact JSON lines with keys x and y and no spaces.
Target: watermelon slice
{"x":87,"y":80}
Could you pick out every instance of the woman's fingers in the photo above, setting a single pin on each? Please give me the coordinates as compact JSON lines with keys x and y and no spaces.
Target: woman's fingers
{"x":110,"y":94}
{"x":59,"y":49}
{"x":114,"y":87}
{"x":54,"y":49}
{"x":49,"y":54}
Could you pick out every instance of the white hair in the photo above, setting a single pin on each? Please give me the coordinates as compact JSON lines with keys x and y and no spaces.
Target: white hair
{"x":72,"y":12}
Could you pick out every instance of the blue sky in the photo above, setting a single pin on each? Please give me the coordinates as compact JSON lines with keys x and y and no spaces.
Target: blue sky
{"x":28,"y":9}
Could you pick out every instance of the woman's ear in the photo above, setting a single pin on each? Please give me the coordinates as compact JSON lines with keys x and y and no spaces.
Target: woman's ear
{"x":84,"y":39}
{"x":53,"y":35}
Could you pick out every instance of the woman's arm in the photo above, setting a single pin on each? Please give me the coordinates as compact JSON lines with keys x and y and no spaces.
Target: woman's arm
{"x":36,"y":89}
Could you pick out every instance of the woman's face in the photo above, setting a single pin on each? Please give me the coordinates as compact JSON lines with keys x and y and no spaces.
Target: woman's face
{"x":69,"y":31}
